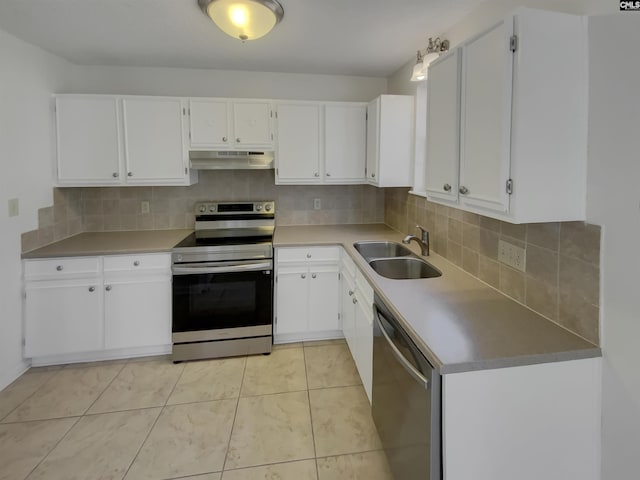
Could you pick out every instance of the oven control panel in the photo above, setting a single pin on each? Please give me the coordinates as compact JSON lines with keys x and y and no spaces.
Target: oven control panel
{"x":234,"y":208}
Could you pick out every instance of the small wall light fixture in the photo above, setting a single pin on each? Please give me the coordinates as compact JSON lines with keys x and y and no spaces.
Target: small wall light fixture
{"x":433,"y":51}
{"x":243,"y":19}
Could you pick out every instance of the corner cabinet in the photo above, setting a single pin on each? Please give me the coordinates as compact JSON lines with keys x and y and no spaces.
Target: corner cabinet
{"x":91,"y":308}
{"x":321,"y":143}
{"x":104,"y":140}
{"x":230,"y":124}
{"x":390,"y":141}
{"x":519,"y":154}
{"x":307,"y":294}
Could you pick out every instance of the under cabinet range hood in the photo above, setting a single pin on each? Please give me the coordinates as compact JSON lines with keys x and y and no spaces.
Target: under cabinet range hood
{"x":230,"y":160}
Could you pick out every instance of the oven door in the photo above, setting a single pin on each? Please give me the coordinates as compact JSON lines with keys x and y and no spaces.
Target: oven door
{"x":222,"y":300}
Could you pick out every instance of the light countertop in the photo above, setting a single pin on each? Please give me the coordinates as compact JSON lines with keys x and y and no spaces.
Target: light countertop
{"x":458,"y":322}
{"x":111,"y":243}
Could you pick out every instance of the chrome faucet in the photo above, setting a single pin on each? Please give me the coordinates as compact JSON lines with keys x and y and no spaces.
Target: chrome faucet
{"x":423,"y":241}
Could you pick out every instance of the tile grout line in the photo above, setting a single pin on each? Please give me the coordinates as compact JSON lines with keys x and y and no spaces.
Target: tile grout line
{"x":313,"y":435}
{"x":235,"y":415}
{"x":28,"y":396}
{"x":105,"y":389}
{"x":154,"y":424}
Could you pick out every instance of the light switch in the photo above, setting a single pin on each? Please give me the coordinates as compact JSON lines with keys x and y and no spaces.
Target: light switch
{"x":14,"y":207}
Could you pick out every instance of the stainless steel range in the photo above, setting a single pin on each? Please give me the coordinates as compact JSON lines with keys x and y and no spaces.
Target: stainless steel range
{"x":223,"y":282}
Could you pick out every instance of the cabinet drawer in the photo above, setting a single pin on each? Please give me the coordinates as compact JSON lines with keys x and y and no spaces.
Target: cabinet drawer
{"x":130,"y":263}
{"x":61,"y":267}
{"x":308,"y":254}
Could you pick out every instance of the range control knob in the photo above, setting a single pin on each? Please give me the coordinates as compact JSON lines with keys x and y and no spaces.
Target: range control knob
{"x":267,"y":207}
{"x":202,"y":209}
{"x":258,"y":208}
{"x":212,"y":208}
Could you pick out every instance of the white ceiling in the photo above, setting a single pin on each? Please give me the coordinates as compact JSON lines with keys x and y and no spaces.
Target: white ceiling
{"x":344,"y":37}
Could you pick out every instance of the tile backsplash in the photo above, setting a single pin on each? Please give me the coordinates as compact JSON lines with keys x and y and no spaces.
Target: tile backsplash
{"x":562,"y":274}
{"x":120,"y":208}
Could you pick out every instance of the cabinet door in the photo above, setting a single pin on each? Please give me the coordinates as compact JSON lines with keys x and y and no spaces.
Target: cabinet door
{"x":154,"y":142}
{"x":373,"y":145}
{"x":63,"y":317}
{"x":345,"y":140}
{"x":209,"y":124}
{"x":348,"y":310}
{"x":364,"y":342}
{"x":324,"y":303}
{"x":486,"y":119}
{"x":252,"y":123}
{"x":88,"y":140}
{"x":298,"y":143}
{"x":443,"y":128}
{"x":137,"y":312}
{"x":292,"y":298}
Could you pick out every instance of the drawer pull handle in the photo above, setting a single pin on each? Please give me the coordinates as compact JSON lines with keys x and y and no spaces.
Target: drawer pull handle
{"x":130,"y":174}
{"x":464,"y":190}
{"x":308,"y":255}
{"x":108,"y":288}
{"x":92,"y":289}
{"x":447,"y":187}
{"x":59,"y":268}
{"x":136,"y":263}
{"x":313,"y":275}
{"x":224,"y":139}
{"x":355,"y":300}
{"x":303,"y":276}
{"x":350,"y":292}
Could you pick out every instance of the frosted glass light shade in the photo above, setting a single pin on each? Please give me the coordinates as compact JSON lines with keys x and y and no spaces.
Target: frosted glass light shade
{"x":418,"y":72}
{"x":243,"y":19}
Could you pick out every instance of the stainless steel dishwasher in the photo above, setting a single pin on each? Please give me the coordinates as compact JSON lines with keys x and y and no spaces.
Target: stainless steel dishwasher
{"x":406,"y":401}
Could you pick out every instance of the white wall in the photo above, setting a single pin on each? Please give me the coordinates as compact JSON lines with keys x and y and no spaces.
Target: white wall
{"x":613,"y":201}
{"x":224,"y":83}
{"x":29,"y":75}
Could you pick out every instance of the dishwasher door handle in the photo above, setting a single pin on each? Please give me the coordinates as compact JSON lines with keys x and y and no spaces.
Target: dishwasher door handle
{"x":405,"y":363}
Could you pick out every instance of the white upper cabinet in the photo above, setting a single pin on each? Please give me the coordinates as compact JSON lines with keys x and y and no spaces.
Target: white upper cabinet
{"x":345,"y":140}
{"x":390,"y":141}
{"x":154,"y":140}
{"x":209,"y":123}
{"x":230,"y":124}
{"x":523,"y":121}
{"x":298,"y":155}
{"x":443,"y":133}
{"x":321,"y":143}
{"x":88,"y":140}
{"x":110,"y":140}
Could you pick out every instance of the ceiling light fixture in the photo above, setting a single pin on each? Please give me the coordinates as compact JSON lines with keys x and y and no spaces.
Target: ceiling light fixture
{"x":433,"y":51}
{"x":243,"y":19}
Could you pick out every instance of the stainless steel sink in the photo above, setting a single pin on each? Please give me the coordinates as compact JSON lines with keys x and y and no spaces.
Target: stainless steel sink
{"x":402,"y":268}
{"x":371,"y":250}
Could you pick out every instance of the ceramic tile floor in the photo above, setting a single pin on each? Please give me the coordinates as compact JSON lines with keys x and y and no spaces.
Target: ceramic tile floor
{"x":300,"y":413}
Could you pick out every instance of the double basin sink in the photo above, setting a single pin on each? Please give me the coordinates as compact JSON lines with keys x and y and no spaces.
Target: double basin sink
{"x":394,"y":260}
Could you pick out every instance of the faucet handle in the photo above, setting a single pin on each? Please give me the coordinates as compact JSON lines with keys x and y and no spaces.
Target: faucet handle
{"x":424,"y":233}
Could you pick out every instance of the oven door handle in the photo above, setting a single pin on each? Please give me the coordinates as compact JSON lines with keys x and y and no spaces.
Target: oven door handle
{"x":250,"y":267}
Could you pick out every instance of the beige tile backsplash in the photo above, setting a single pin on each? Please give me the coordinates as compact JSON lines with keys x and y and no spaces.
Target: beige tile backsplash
{"x":119,"y":208}
{"x":562,"y":274}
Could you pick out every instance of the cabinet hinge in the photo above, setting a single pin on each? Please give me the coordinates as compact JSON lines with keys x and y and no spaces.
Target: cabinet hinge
{"x":513,"y":43}
{"x":276,"y":114}
{"x":275,"y":320}
{"x":339,"y":277}
{"x":271,"y":113}
{"x":184,"y":111}
{"x":24,"y":294}
{"x":276,"y":279}
{"x":185,"y":170}
{"x":276,"y":171}
{"x":272,"y":136}
{"x":509,"y":186}
{"x":24,"y":341}
{"x":338,"y":315}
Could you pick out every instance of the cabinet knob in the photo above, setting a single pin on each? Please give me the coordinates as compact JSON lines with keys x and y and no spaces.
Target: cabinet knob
{"x":303,"y":276}
{"x":316,"y":174}
{"x":313,"y":275}
{"x":328,"y":174}
{"x":136,"y":263}
{"x":373,"y":175}
{"x":464,"y":190}
{"x":108,"y":288}
{"x":238,"y":139}
{"x":130,"y":174}
{"x":350,"y":292}
{"x":447,"y":187}
{"x":59,"y":268}
{"x":355,"y":300}
{"x":224,"y":139}
{"x":92,"y":289}
{"x":308,"y":255}
{"x":116,"y":174}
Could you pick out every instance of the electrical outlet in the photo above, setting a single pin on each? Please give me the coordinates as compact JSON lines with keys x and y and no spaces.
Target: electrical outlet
{"x":512,"y":255}
{"x":14,"y":207}
{"x":144,"y":207}
{"x":317,"y":204}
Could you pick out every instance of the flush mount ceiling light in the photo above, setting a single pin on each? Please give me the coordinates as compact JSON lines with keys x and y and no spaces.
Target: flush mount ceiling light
{"x":243,"y":19}
{"x":433,"y":51}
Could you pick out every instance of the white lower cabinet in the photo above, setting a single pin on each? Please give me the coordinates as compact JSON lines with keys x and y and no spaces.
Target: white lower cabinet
{"x":96,"y":304}
{"x":307,"y":294}
{"x":357,"y":319}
